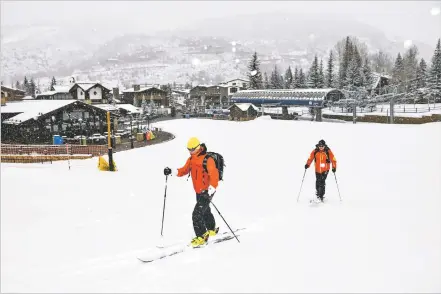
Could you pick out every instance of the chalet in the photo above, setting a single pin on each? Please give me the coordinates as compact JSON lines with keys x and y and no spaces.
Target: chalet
{"x":380,"y":83}
{"x":138,"y":94}
{"x":90,"y":92}
{"x":236,"y":85}
{"x":202,"y":97}
{"x":243,"y":111}
{"x":37,"y":121}
{"x":56,"y":93}
{"x":11,"y":94}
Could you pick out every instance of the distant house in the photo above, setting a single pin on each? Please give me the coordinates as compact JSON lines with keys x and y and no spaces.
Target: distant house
{"x":90,"y":92}
{"x":380,"y":83}
{"x":11,"y":94}
{"x":243,"y":111}
{"x":38,"y":120}
{"x":137,"y":94}
{"x":56,"y":93}
{"x":236,"y":85}
{"x":203,"y":97}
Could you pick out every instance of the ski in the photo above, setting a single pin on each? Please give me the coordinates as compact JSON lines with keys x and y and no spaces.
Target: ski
{"x":179,"y":248}
{"x":211,"y":238}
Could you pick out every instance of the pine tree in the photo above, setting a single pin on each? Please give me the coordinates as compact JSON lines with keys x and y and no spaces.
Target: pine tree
{"x":313,"y":75}
{"x":321,"y":75}
{"x":398,"y":70}
{"x":32,"y":88}
{"x":302,"y":79}
{"x":410,"y":62}
{"x":53,"y":83}
{"x":421,"y":74}
{"x":288,"y":78}
{"x":254,"y":74}
{"x":17,"y":85}
{"x":295,"y":82}
{"x":26,"y":85}
{"x":275,"y":81}
{"x":382,"y":63}
{"x":434,"y":75}
{"x":266,"y":84}
{"x":354,"y":71}
{"x":330,"y":71}
{"x":346,"y":59}
{"x":367,"y":74}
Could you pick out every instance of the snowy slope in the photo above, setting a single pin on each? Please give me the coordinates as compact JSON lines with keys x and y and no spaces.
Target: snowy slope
{"x":81,"y":230}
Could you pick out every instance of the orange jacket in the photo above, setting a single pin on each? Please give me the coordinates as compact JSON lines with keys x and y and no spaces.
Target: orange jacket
{"x":201,"y":179}
{"x":320,"y":160}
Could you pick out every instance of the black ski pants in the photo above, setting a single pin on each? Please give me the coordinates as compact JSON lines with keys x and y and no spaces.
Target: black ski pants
{"x":320,"y":183}
{"x":203,"y":219}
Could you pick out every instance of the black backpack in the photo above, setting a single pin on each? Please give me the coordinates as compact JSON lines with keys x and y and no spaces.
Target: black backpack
{"x":218,"y":160}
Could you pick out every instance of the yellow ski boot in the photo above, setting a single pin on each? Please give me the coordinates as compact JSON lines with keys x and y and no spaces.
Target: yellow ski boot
{"x":198,"y":241}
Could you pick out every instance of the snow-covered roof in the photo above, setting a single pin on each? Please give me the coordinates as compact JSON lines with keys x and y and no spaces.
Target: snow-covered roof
{"x":141,"y":89}
{"x":129,"y":107}
{"x":238,"y":79}
{"x":245,"y":106}
{"x":62,"y":89}
{"x":11,"y":89}
{"x":30,"y":109}
{"x":88,"y":85}
{"x":126,"y":107}
{"x":28,"y":98}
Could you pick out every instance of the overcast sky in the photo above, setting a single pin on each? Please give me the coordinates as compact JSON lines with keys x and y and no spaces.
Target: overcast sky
{"x":414,"y":20}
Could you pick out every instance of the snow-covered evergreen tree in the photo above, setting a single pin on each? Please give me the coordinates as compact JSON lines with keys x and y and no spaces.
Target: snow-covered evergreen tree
{"x":296,"y":81}
{"x":288,"y":78}
{"x":32,"y":88}
{"x":313,"y":75}
{"x":330,"y":80}
{"x":398,"y":74}
{"x":53,"y":83}
{"x":410,"y":62}
{"x":266,"y":84}
{"x":367,"y":74}
{"x":302,"y":79}
{"x":276,"y":81}
{"x":26,"y":85}
{"x":254,"y":74}
{"x":345,"y":61}
{"x":321,"y":75}
{"x":421,"y":74}
{"x":17,"y":85}
{"x":434,"y":74}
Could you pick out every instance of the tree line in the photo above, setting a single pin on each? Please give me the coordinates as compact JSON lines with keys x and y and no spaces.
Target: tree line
{"x":350,"y":67}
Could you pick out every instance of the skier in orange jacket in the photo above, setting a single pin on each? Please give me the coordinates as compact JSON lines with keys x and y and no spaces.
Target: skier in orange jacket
{"x":323,"y":157}
{"x":205,"y":184}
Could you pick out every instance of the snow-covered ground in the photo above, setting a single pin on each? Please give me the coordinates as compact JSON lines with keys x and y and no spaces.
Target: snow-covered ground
{"x":80,"y":230}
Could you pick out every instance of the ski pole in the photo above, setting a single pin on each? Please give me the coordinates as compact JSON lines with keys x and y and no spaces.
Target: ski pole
{"x":163,"y":209}
{"x":301,"y":186}
{"x":224,"y":221}
{"x":337,"y":187}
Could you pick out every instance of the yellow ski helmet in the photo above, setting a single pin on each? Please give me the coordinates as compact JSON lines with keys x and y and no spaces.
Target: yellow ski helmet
{"x":193,"y":143}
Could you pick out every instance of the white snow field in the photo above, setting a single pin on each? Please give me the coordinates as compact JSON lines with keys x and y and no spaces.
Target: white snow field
{"x":82,"y":230}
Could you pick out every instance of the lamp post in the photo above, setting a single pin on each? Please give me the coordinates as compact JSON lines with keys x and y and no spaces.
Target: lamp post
{"x":131,"y":132}
{"x":81,"y":130}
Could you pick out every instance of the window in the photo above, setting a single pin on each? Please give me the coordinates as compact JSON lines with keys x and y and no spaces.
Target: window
{"x":234,"y":84}
{"x":81,"y":93}
{"x":233,"y":90}
{"x":94,"y":93}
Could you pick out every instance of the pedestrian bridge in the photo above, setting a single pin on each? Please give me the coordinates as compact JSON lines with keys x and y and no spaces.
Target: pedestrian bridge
{"x":289,"y":97}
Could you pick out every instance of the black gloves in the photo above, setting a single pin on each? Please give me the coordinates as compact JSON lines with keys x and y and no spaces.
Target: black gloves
{"x":167,"y":171}
{"x":334,"y":169}
{"x":306,"y":166}
{"x":207,"y":196}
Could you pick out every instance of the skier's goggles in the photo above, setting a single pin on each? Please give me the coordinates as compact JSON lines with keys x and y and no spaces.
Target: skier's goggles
{"x":321,"y":146}
{"x":193,"y":149}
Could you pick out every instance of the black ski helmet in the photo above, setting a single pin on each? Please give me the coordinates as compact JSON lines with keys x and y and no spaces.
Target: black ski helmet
{"x":322,"y":142}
